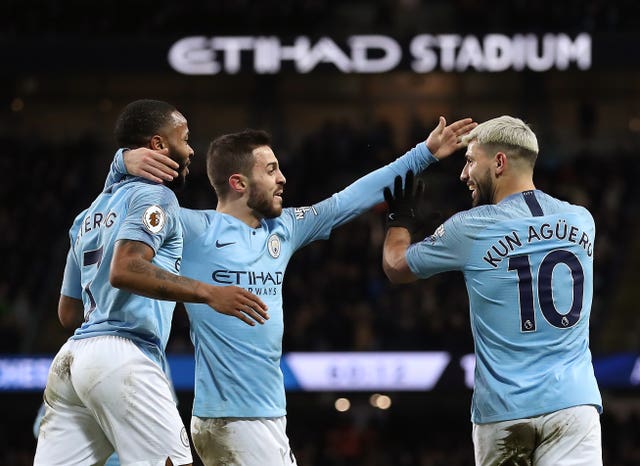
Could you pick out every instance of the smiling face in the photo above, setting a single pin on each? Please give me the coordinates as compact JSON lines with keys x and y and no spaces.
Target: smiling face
{"x":176,"y":138}
{"x":266,"y":184}
{"x":477,"y":175}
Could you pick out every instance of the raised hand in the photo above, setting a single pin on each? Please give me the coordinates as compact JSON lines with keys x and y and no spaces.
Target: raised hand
{"x":238,"y":302}
{"x":154,"y":165}
{"x":444,"y":140}
{"x":403,"y":202}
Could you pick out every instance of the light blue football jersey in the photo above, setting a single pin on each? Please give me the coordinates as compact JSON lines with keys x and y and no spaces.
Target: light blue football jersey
{"x":528,"y":267}
{"x":132,"y":209}
{"x":237,"y":367}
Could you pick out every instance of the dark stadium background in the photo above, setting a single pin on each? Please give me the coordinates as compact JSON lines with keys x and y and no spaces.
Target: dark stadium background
{"x":68,"y":67}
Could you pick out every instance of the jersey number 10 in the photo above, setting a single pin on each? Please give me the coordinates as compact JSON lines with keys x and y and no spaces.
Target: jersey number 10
{"x":522,"y":266}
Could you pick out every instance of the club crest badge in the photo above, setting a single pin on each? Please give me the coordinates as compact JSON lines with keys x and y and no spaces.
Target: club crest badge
{"x":154,"y":219}
{"x":273,"y":245}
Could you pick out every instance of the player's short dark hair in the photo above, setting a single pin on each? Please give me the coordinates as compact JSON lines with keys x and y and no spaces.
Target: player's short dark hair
{"x":140,"y":120}
{"x":233,"y":153}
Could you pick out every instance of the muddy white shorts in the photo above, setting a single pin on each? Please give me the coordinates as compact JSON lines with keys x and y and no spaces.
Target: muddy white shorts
{"x":104,"y":393}
{"x":566,"y":437}
{"x":242,"y":441}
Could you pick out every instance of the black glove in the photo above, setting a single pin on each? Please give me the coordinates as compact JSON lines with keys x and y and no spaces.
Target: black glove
{"x":402,"y":203}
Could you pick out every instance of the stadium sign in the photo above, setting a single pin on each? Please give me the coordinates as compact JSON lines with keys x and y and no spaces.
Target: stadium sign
{"x":424,"y":53}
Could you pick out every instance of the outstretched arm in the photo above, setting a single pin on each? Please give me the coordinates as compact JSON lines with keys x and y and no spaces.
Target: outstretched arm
{"x":366,"y":191}
{"x":132,"y":270}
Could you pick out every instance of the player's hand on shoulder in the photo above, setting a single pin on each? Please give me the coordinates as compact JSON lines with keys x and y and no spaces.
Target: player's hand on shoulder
{"x":445,"y":139}
{"x":154,"y":165}
{"x":238,"y":302}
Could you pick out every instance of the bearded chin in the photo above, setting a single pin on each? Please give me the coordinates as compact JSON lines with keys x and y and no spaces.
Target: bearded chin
{"x":482,"y":192}
{"x":263,"y":207}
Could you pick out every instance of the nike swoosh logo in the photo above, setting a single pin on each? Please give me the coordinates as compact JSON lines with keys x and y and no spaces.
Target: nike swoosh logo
{"x":221,"y":245}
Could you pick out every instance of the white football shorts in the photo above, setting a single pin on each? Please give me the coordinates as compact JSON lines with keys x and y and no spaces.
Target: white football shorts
{"x":104,"y":393}
{"x":566,"y":437}
{"x":242,"y":441}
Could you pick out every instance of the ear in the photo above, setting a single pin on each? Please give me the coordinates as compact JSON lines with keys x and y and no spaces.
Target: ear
{"x":500,"y":163}
{"x":238,"y":182}
{"x":157,"y":143}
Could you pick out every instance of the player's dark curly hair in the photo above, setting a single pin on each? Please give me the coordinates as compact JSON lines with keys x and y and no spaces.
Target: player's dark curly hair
{"x":140,"y":120}
{"x":233,"y":153}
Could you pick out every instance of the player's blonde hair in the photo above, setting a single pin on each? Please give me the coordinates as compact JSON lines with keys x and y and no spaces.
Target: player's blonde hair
{"x":506,"y":133}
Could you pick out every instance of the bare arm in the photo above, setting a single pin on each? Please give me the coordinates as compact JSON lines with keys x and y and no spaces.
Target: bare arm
{"x":70,"y":312}
{"x":400,"y":220}
{"x":132,"y":270}
{"x":394,"y":262}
